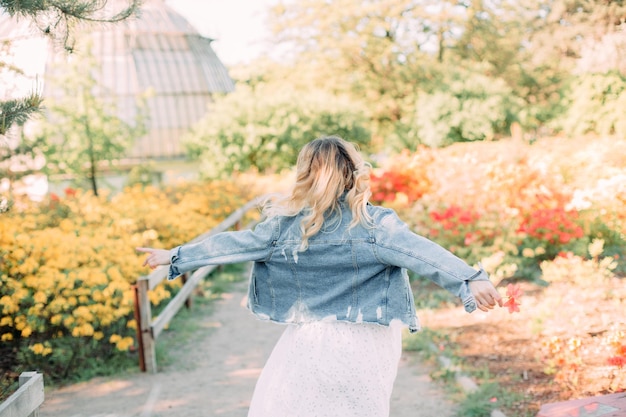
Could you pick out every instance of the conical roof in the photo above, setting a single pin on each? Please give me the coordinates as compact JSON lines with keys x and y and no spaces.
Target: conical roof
{"x":158,"y":51}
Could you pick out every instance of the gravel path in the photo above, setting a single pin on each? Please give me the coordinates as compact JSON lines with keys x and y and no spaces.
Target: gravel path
{"x":215,"y":376}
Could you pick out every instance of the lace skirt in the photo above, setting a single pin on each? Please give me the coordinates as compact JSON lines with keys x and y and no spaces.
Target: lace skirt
{"x":329,"y":369}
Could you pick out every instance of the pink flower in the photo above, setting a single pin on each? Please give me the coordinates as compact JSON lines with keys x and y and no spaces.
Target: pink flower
{"x":513,"y":291}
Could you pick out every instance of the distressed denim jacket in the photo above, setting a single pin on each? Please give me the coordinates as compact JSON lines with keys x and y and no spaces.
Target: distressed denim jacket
{"x":350,"y":274}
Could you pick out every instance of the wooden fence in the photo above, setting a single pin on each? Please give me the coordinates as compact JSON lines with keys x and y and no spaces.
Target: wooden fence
{"x":148,"y":329}
{"x":27,"y":399}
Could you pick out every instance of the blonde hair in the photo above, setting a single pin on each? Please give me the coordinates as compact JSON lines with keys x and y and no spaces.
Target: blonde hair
{"x":326,"y":168}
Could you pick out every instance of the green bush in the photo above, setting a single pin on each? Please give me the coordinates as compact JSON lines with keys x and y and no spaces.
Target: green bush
{"x":265,"y":130}
{"x":467,"y":106}
{"x":596,"y":104}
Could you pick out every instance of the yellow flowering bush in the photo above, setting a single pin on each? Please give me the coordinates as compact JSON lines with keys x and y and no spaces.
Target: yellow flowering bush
{"x":67,"y":266}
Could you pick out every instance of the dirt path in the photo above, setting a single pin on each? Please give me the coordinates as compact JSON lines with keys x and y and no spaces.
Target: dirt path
{"x":216,"y":376}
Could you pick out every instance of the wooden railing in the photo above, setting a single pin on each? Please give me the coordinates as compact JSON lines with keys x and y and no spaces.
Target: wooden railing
{"x":27,"y":399}
{"x":148,"y":329}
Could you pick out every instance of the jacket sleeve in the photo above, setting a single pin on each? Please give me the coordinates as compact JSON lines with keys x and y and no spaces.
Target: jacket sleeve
{"x":397,"y":245}
{"x":225,"y":248}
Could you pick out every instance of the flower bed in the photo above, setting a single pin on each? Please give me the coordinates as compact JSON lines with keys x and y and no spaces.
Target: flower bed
{"x":67,"y":266}
{"x":549,"y":217}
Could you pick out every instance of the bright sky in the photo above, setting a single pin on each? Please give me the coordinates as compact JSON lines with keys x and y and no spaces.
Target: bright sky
{"x":238,"y":26}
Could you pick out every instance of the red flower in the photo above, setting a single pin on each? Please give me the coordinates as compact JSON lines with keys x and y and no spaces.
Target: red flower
{"x":554,"y":225}
{"x":513,"y":292}
{"x":512,"y":304}
{"x":408,"y":179}
{"x":619,"y":361}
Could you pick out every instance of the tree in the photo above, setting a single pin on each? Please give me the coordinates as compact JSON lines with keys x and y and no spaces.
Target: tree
{"x":567,"y":26}
{"x":57,"y":19}
{"x":392,"y":54}
{"x":373,"y":51}
{"x":263,"y":128}
{"x":83,"y":132}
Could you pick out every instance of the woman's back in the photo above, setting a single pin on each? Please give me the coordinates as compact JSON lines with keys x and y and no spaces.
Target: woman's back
{"x":337,"y":277}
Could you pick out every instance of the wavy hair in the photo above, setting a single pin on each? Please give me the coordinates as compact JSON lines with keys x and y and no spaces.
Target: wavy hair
{"x":327,"y":168}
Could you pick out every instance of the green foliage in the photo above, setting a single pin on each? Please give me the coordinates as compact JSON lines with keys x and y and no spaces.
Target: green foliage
{"x":485,"y":399}
{"x":83,"y":132}
{"x":436,"y":72}
{"x":614,"y":242}
{"x":428,"y":342}
{"x":367,"y":50}
{"x":18,"y":111}
{"x":75,"y":359}
{"x":264,"y":129}
{"x":596,"y":104}
{"x":468,"y":106}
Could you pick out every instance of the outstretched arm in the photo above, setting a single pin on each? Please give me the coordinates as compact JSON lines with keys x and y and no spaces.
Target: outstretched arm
{"x":220,"y":248}
{"x":397,"y":245}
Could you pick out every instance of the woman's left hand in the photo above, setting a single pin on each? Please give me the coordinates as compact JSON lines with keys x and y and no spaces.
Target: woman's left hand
{"x":156,"y":257}
{"x":485,"y":294}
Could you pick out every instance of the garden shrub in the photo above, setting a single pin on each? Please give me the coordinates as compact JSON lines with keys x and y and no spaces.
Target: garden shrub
{"x":513,"y":205}
{"x":264,"y":129}
{"x":570,"y":359}
{"x":585,"y":273}
{"x":68,"y":265}
{"x":596,"y":103}
{"x":467,"y":107}
{"x":463,"y":230}
{"x":404,"y":181}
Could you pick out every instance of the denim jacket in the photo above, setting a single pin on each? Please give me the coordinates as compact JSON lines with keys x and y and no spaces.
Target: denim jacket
{"x":351,"y":274}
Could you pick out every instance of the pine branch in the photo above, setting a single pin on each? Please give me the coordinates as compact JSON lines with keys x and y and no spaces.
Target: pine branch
{"x":56,"y":18}
{"x":18,"y":111}
{"x":89,"y":10}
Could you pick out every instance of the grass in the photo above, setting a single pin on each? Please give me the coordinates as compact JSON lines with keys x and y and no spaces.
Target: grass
{"x":430,"y":344}
{"x":485,"y":399}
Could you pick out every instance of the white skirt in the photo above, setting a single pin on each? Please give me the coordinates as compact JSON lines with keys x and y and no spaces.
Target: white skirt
{"x":329,"y":369}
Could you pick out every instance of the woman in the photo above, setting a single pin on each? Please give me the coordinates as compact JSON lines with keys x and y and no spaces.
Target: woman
{"x":333,"y":267}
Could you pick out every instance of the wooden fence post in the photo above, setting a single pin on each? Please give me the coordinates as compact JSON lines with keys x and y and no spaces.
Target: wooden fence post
{"x":39,"y":393}
{"x":137,"y":315}
{"x":184,"y":277}
{"x":145,"y":325}
{"x":26,"y":400}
